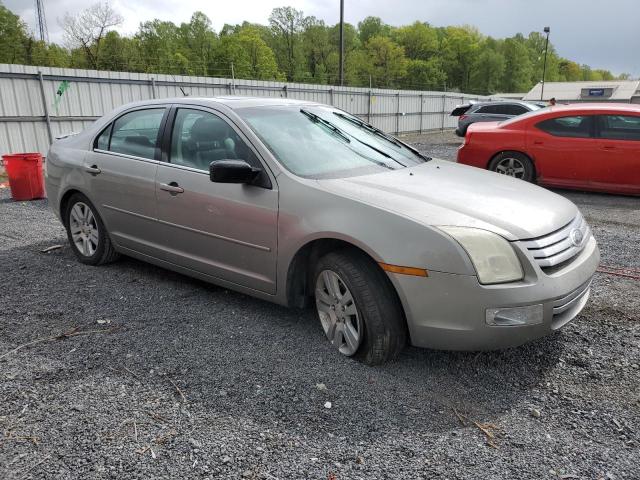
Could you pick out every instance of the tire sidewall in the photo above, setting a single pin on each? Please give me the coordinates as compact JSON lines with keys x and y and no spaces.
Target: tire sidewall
{"x":326,"y":263}
{"x":526,"y":162}
{"x":100,"y":250}
{"x":384,"y":330}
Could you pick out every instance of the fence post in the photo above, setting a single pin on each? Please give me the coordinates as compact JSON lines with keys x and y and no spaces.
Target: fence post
{"x":331,"y":96}
{"x":230,"y":87}
{"x":153,"y":88}
{"x":444,"y":112}
{"x":421,"y":110}
{"x":369,"y":108}
{"x":398,"y":115}
{"x":286,"y":93}
{"x":46,"y":107}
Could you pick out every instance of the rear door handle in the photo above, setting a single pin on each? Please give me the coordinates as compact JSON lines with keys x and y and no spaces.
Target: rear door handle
{"x":173,"y":188}
{"x":609,"y":147}
{"x":538,"y":142}
{"x":93,"y":170}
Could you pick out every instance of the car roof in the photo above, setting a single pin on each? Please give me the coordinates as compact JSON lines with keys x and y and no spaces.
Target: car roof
{"x":595,"y":107}
{"x":503,"y":102}
{"x":232,"y":102}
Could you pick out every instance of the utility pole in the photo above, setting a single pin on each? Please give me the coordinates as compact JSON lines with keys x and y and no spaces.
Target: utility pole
{"x":544,"y":67}
{"x":341,"y":42}
{"x":41,"y":21}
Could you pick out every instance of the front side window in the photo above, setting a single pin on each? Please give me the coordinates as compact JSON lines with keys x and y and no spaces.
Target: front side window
{"x":323,"y":142}
{"x":136,"y":133}
{"x":572,"y":126}
{"x":620,"y":127}
{"x":200,"y":137}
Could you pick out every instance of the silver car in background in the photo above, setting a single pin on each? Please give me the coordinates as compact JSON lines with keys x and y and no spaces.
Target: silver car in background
{"x":303,"y":204}
{"x":499,"y":111}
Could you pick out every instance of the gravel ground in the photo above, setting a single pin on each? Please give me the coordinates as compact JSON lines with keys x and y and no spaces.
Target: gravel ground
{"x":169,"y":377}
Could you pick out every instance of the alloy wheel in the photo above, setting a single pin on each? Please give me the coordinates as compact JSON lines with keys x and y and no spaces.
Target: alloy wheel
{"x":511,"y":167}
{"x":84,"y":229}
{"x":338,"y":313}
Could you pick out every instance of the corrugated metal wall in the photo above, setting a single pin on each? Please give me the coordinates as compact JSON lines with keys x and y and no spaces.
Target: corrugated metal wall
{"x":28,"y":93}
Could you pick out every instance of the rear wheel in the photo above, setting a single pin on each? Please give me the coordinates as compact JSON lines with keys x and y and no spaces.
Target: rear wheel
{"x":86,"y":232}
{"x":513,"y":164}
{"x":358,"y":308}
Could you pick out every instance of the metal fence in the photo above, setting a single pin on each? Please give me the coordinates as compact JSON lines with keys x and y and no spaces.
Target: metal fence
{"x":30,"y":118}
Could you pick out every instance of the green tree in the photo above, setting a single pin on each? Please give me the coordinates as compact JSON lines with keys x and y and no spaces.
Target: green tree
{"x":419,"y":40}
{"x":287,"y":23}
{"x":386,"y":62}
{"x":251,"y":56}
{"x":13,"y":36}
{"x":517,"y":73}
{"x":459,"y":49}
{"x":372,"y":27}
{"x":197,"y":42}
{"x":488,"y":71}
{"x":424,"y":75}
{"x":569,"y":71}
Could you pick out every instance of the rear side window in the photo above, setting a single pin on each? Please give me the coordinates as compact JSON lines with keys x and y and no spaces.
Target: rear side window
{"x":136,"y":133}
{"x":620,"y":127}
{"x":511,"y":109}
{"x":488,"y":109}
{"x":102,"y":142}
{"x":574,"y":127}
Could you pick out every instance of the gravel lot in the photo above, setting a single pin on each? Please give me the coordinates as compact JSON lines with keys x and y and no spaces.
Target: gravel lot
{"x":162,"y":376}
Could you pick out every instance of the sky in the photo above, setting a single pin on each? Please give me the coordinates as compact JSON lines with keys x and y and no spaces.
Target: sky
{"x":600,"y":34}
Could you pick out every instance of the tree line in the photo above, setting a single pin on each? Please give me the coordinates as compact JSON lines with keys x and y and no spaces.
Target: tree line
{"x":298,"y":48}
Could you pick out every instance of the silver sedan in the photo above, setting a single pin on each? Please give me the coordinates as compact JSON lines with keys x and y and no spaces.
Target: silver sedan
{"x":304,"y":204}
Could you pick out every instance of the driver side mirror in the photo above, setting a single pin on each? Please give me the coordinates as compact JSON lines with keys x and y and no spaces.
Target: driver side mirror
{"x":232,"y":171}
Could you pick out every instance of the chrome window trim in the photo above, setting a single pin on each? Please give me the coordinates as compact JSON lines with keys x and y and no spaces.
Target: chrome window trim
{"x":125,"y":155}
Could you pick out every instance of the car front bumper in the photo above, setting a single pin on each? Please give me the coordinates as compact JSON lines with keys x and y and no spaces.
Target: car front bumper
{"x":454,"y":312}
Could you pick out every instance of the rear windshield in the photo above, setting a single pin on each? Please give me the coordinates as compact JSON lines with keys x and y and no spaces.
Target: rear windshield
{"x":319,"y":142}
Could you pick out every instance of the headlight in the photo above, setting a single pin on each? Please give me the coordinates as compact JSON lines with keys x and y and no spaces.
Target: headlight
{"x":492,"y":256}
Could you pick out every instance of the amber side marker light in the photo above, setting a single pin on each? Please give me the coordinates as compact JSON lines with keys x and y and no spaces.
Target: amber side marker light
{"x":416,"y":272}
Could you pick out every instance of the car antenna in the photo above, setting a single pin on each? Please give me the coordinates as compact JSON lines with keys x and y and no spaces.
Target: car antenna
{"x":183,"y":92}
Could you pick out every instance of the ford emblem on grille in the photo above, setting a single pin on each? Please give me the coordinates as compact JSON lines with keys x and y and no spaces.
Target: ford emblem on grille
{"x":576,"y":237}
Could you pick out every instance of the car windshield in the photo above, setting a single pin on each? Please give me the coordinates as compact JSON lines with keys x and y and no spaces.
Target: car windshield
{"x":322,"y":142}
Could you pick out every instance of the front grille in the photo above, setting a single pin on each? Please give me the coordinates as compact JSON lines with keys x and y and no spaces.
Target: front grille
{"x":567,"y":307}
{"x":559,"y":247}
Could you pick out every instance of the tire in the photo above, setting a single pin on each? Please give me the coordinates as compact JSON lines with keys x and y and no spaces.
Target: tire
{"x":86,"y":232}
{"x":513,"y":164}
{"x":378,"y":318}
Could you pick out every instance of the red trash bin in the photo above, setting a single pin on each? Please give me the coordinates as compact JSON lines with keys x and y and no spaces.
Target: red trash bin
{"x":25,"y":175}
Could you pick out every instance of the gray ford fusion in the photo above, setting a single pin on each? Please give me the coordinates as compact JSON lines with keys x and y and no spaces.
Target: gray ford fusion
{"x":304,"y":204}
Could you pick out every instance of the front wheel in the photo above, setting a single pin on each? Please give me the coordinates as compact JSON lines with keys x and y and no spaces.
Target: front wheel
{"x":358,"y":308}
{"x":86,"y":232}
{"x":513,"y":164}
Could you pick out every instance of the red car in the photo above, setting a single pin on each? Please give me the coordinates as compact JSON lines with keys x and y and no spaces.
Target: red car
{"x":582,"y":146}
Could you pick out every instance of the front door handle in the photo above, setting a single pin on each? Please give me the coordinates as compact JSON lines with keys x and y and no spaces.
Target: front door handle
{"x":609,"y":147}
{"x":173,"y":188}
{"x":538,"y":142}
{"x":93,"y":170}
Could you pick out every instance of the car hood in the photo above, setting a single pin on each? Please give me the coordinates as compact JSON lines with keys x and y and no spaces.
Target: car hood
{"x":445,"y":193}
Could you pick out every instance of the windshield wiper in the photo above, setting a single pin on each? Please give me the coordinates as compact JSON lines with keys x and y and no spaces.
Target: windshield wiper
{"x":380,"y":133}
{"x":370,"y":128}
{"x":318,"y":119}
